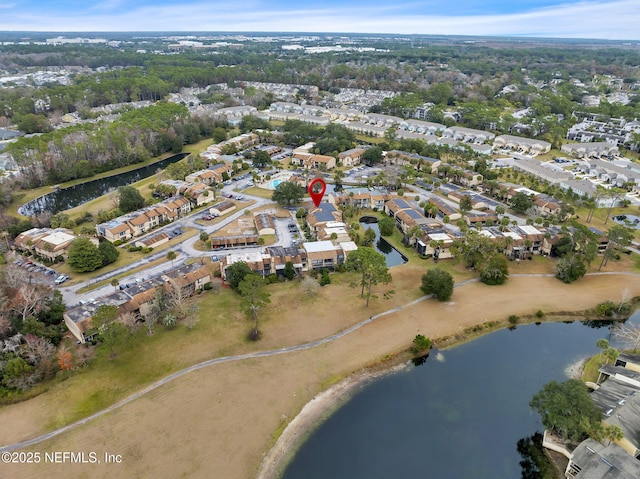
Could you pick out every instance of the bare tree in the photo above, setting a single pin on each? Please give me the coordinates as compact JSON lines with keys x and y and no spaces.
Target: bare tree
{"x":192,"y":316}
{"x":130,"y":320}
{"x":628,"y":334}
{"x":176,"y":297}
{"x":40,"y":353}
{"x":14,"y":276}
{"x":29,"y":300}
{"x":309,"y":286}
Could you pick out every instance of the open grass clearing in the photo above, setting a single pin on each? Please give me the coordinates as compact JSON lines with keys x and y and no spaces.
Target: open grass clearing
{"x":219,"y":408}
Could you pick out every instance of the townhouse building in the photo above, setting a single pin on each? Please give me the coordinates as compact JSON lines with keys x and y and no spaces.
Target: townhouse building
{"x":522,"y":145}
{"x":351,"y":157}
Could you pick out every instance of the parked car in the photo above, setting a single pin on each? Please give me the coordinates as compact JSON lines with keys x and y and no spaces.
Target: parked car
{"x":61,"y":279}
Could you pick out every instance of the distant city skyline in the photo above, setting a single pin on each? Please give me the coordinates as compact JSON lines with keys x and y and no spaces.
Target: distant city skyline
{"x":589,"y":19}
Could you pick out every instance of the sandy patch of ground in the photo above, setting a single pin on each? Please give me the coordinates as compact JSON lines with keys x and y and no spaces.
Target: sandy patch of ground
{"x":220,"y":421}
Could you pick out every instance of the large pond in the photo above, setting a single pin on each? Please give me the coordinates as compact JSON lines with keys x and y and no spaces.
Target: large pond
{"x":459,"y":415}
{"x":64,"y":199}
{"x":392,"y":256}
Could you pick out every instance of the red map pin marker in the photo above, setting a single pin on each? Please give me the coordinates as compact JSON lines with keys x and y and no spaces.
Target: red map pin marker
{"x":316,"y":189}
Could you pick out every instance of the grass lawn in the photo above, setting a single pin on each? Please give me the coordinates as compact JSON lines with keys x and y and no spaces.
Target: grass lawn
{"x":600,"y":215}
{"x":221,"y":331}
{"x":268,"y":239}
{"x":590,"y":372}
{"x":261,"y":192}
{"x":144,"y":359}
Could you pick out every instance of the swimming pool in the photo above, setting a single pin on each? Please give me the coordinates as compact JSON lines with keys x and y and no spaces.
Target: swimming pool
{"x":273,"y":184}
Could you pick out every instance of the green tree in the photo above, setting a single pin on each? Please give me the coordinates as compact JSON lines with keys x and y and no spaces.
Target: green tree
{"x":372,"y":266}
{"x":115,"y":283}
{"x":338,"y":176}
{"x":521,"y":202}
{"x":32,"y":123}
{"x":219,"y":135}
{"x":570,"y":268}
{"x":204,"y":236}
{"x":251,"y":288}
{"x":84,"y":256}
{"x":289,"y":270}
{"x":386,"y":225}
{"x":111,"y":332}
{"x":465,"y":204}
{"x":496,"y":270}
{"x":566,"y":409}
{"x":288,"y":193}
{"x":261,"y":159}
{"x":109,"y":252}
{"x":619,"y":236}
{"x":130,"y":199}
{"x":18,"y":374}
{"x":171,"y":256}
{"x":236,"y":272}
{"x":372,"y":156}
{"x":439,"y":283}
{"x":474,"y":249}
{"x":368,"y":237}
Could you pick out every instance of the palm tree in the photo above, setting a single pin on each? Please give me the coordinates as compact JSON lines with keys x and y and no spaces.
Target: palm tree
{"x":170,"y":321}
{"x":171,"y":256}
{"x":115,"y":283}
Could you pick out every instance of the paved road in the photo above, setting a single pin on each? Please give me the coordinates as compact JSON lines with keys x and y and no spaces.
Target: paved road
{"x":259,"y":354}
{"x":185,"y":250}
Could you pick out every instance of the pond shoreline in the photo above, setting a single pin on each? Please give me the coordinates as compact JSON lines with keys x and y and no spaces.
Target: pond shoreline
{"x":324,"y":404}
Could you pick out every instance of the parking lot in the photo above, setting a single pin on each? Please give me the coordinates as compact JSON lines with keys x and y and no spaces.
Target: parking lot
{"x":39,"y":273}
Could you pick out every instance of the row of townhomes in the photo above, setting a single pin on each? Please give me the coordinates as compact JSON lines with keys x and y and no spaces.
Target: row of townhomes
{"x":191,"y":193}
{"x":138,"y":299}
{"x":587,"y":174}
{"x":376,"y":125}
{"x":142,"y":221}
{"x":615,"y":132}
{"x":52,"y":244}
{"x":618,"y":397}
{"x":316,"y":255}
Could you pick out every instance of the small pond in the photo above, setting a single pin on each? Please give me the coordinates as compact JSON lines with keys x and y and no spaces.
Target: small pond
{"x":393,"y":256}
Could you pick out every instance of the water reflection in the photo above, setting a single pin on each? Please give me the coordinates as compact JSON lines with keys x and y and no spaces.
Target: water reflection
{"x":534,"y":463}
{"x":392,"y":256}
{"x":64,"y":199}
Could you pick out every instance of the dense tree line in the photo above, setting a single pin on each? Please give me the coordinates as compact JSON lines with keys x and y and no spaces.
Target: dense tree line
{"x":84,"y":150}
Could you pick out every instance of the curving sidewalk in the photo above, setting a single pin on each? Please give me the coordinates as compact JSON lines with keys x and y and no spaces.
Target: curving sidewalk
{"x":259,"y":354}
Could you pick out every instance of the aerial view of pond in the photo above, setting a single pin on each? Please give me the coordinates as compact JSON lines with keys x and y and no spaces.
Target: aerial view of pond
{"x":459,"y":415}
{"x":63,"y":199}
{"x":393,"y":256}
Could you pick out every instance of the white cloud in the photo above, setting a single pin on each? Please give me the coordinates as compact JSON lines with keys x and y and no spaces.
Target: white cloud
{"x":618,"y":19}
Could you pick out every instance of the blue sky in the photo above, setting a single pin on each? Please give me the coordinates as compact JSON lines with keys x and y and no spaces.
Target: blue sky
{"x":603,"y":19}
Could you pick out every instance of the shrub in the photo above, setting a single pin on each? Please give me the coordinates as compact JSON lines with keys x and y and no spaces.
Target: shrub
{"x":325,"y":279}
{"x":539,"y":314}
{"x":513,"y":319}
{"x":420,"y":343}
{"x":208,"y":286}
{"x":608,"y":308}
